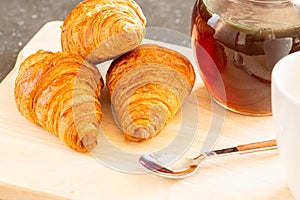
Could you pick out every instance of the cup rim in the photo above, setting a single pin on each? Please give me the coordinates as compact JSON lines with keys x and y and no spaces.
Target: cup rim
{"x":281,"y":65}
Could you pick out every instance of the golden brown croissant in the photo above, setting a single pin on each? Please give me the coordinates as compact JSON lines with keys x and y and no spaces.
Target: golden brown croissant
{"x":60,"y":92}
{"x":102,"y":29}
{"x":147,"y":86}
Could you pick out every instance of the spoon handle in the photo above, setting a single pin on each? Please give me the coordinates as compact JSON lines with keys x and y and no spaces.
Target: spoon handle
{"x":257,"y":146}
{"x":246,"y":148}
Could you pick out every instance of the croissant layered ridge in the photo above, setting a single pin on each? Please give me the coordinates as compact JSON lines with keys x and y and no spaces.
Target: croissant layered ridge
{"x":102,"y":29}
{"x":60,"y":92}
{"x":147,"y":87}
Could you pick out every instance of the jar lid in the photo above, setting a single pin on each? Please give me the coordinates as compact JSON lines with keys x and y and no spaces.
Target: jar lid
{"x":257,"y":14}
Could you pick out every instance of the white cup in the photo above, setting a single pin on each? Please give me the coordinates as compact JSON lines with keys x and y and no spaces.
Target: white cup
{"x":286,"y":114}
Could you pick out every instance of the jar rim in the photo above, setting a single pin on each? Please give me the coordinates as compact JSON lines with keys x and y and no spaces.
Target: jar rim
{"x":271,"y":1}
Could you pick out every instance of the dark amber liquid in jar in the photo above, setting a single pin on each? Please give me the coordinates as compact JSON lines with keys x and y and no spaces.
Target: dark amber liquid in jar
{"x":237,"y":43}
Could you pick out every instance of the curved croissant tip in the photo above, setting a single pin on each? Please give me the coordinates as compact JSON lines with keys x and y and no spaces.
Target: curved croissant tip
{"x":89,"y":141}
{"x":141,"y":133}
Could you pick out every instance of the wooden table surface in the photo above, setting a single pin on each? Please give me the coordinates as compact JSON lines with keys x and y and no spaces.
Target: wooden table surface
{"x":36,"y":165}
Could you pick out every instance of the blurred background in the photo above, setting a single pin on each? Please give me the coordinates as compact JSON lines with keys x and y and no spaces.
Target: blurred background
{"x":22,"y":19}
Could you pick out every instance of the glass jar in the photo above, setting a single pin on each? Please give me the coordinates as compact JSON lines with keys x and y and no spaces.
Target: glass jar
{"x":237,"y":43}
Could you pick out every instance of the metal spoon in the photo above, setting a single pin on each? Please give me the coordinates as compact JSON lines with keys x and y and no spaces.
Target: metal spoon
{"x":188,"y":166}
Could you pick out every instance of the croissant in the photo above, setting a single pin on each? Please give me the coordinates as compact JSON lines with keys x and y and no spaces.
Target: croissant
{"x":102,"y":29}
{"x":60,"y":92}
{"x":147,"y":86}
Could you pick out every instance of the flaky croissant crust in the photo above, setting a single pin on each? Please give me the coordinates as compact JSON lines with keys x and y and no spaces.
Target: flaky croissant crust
{"x":149,"y":54}
{"x":147,"y":86}
{"x":102,"y":29}
{"x":60,"y":92}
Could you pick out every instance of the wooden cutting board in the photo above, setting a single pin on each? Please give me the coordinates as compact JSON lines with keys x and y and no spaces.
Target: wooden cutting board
{"x":36,"y":165}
